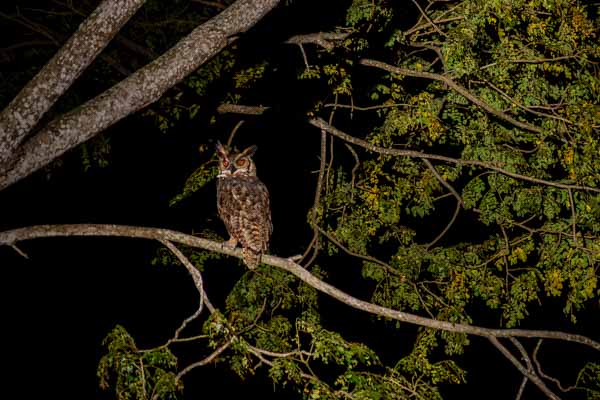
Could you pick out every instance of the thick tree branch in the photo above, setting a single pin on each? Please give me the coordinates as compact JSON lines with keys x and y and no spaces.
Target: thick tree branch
{"x":13,"y":236}
{"x":459,"y":89}
{"x":137,"y":91}
{"x":322,"y":124}
{"x":36,"y":98}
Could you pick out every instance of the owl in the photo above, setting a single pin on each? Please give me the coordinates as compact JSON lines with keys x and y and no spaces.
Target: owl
{"x":243,"y":204}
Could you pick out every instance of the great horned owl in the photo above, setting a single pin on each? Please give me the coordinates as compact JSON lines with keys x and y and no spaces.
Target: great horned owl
{"x":243,"y":204}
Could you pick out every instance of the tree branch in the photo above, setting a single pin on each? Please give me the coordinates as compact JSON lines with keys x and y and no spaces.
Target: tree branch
{"x":322,"y":124}
{"x":459,"y":202}
{"x":241,"y":109}
{"x":322,"y":39}
{"x":36,"y":98}
{"x":461,"y":90}
{"x":40,"y":231}
{"x":206,"y":360}
{"x":529,"y":374}
{"x":132,"y":94}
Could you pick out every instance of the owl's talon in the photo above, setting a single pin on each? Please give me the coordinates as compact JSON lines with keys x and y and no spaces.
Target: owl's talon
{"x":229,"y":244}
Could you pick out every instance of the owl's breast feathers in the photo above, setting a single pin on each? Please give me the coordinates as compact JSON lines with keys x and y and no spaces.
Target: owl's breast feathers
{"x":243,"y":205}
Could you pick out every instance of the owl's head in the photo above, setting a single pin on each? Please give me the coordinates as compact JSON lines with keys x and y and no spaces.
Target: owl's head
{"x":236,"y":164}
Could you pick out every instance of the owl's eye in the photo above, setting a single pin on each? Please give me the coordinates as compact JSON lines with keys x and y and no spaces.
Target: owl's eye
{"x":241,"y":162}
{"x":225,"y":163}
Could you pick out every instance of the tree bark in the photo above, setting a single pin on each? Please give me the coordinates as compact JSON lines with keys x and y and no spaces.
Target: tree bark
{"x":36,"y":98}
{"x":11,"y":237}
{"x":137,"y":91}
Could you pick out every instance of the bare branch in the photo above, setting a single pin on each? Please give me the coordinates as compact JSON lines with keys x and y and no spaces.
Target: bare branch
{"x":321,"y":124}
{"x":531,"y":376}
{"x":233,"y":132}
{"x":197,"y":278}
{"x":19,"y":251}
{"x":459,"y":202}
{"x":424,"y":14}
{"x":374,"y":260}
{"x":323,"y":39}
{"x":315,"y":241}
{"x":543,"y":375}
{"x":241,"y":109}
{"x":204,"y":361}
{"x":41,"y":231}
{"x":437,"y":21}
{"x":461,"y":90}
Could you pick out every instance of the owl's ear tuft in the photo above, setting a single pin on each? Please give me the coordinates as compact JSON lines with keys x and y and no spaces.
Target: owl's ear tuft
{"x":221,"y":152}
{"x":249,"y":152}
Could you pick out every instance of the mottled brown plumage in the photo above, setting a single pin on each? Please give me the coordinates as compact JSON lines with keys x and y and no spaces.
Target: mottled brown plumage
{"x":243,"y":204}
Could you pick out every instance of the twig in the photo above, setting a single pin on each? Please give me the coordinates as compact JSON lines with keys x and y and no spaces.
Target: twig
{"x":207,"y":359}
{"x":527,"y":109}
{"x":356,"y":165}
{"x":543,"y":375}
{"x":377,"y":107}
{"x":459,"y":202}
{"x":573,"y":216}
{"x":424,"y":14}
{"x":314,"y":243}
{"x":437,"y":21}
{"x":321,"y":124}
{"x":19,"y":251}
{"x":279,"y":355}
{"x":461,"y":90}
{"x":542,"y":60}
{"x":233,"y":132}
{"x":387,"y":267}
{"x":522,"y":388}
{"x":198,"y":282}
{"x":531,"y":376}
{"x":446,"y":228}
{"x":259,"y":354}
{"x":524,"y":354}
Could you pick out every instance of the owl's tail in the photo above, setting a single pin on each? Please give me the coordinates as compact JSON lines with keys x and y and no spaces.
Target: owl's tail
{"x":251,"y":257}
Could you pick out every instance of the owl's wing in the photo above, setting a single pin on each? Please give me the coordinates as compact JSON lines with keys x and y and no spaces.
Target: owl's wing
{"x":255,"y":213}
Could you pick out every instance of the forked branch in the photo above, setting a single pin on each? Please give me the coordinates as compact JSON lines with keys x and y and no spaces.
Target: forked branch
{"x":40,"y":231}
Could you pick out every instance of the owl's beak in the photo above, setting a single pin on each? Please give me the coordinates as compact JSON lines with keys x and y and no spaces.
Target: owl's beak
{"x":225,"y":174}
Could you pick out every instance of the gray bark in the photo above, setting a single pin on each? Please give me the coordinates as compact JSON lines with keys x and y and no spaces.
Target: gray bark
{"x":36,"y":98}
{"x":12,"y":237}
{"x":137,"y":91}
